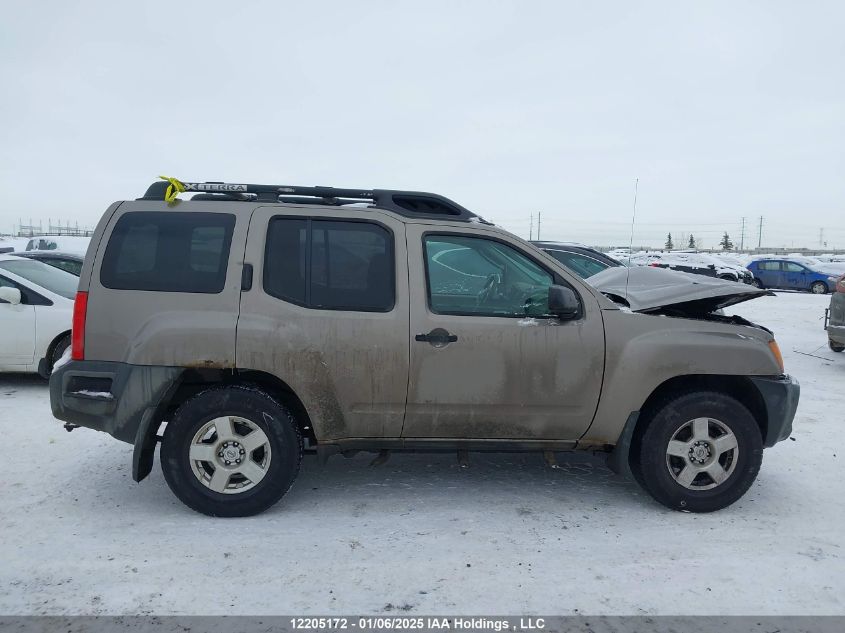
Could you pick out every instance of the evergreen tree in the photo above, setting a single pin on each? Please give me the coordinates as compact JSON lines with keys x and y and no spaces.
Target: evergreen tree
{"x":726,"y":243}
{"x":669,"y":245}
{"x":691,"y":241}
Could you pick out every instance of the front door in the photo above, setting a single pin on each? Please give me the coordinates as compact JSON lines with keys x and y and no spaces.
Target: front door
{"x":487,"y":361}
{"x":17,"y":330}
{"x":794,"y":276}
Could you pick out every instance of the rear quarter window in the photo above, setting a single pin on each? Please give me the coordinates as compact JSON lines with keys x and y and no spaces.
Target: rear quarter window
{"x":168,"y":252}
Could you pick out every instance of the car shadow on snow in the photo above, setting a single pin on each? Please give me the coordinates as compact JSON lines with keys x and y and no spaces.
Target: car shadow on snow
{"x":513,"y":483}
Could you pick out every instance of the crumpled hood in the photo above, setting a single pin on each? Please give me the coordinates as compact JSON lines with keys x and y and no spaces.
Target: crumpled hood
{"x":649,"y":289}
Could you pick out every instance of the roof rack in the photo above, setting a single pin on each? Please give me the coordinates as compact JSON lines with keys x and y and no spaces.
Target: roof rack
{"x":415,"y":204}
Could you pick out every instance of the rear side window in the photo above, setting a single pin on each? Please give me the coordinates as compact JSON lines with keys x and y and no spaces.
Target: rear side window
{"x":768,"y":265}
{"x":330,"y":264}
{"x":168,"y":252}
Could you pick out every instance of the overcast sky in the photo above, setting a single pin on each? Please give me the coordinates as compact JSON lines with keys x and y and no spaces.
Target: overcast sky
{"x":721,"y":109}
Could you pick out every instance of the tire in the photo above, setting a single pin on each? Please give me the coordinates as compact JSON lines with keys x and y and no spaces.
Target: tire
{"x":836,"y":347}
{"x":678,"y":419}
{"x":58,"y":350}
{"x":818,"y":288}
{"x":261,"y":466}
{"x":757,"y":283}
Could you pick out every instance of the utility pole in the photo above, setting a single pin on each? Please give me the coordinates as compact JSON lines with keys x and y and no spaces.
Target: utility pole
{"x":538,"y":225}
{"x":742,"y":235}
{"x":760,"y":233}
{"x":531,"y":229}
{"x":821,"y":237}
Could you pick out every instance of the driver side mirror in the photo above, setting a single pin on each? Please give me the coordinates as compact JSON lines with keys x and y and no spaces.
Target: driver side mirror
{"x":563,"y":302}
{"x":10,"y":295}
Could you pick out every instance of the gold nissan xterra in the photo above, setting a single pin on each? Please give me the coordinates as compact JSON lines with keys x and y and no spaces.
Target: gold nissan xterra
{"x":252,"y":323}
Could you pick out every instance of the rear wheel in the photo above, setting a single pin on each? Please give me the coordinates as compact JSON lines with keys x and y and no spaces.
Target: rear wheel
{"x":58,"y":351}
{"x":836,"y":347}
{"x":231,"y":451}
{"x":700,"y":452}
{"x":818,"y":288}
{"x":756,"y":282}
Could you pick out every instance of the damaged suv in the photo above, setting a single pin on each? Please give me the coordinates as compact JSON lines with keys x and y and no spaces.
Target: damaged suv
{"x":255,"y":322}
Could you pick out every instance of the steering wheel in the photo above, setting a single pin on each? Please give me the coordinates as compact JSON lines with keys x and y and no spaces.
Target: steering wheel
{"x":490,"y":289}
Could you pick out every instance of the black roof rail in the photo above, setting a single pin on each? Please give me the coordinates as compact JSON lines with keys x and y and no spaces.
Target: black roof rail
{"x":415,"y":204}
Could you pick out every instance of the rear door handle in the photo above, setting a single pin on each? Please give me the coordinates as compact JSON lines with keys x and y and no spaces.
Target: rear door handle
{"x":438,"y":337}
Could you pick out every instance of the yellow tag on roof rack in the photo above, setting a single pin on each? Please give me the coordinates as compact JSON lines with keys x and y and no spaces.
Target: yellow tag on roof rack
{"x":173,"y":189}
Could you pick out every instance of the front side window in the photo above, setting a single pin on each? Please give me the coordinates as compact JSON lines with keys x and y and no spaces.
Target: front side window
{"x":477,"y":276}
{"x":792,"y":268}
{"x":168,"y":252}
{"x":330,"y":264}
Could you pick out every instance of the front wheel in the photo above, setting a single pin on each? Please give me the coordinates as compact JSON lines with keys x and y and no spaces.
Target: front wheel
{"x":818,"y":288}
{"x":700,"y":452}
{"x":231,"y":451}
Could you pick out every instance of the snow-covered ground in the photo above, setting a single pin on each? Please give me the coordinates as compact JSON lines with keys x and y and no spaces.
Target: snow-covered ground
{"x":420,"y":535}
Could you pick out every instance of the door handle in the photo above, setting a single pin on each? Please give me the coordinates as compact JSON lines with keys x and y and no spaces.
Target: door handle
{"x":438,"y":337}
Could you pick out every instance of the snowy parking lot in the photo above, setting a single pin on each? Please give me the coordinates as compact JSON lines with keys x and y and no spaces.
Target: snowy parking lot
{"x":421,"y":535}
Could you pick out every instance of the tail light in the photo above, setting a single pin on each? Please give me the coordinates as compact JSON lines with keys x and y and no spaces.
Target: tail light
{"x":77,"y":335}
{"x":840,"y":284}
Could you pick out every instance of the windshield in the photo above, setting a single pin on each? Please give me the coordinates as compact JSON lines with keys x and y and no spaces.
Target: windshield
{"x":56,"y":281}
{"x":581,"y":265}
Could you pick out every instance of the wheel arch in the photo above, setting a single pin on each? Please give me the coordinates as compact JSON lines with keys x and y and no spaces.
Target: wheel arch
{"x":741,"y":388}
{"x":195,"y":380}
{"x":48,"y":353}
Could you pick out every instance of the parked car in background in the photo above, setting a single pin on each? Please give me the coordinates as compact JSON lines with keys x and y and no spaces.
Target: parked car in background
{"x":36,"y":305}
{"x":10,"y":244}
{"x":64,"y":243}
{"x":69,"y":262}
{"x":582,"y":260}
{"x":790,"y":274}
{"x":696,"y":263}
{"x":834,"y":318}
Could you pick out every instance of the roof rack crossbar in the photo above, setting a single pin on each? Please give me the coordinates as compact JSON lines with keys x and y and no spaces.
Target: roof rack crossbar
{"x":408,"y":203}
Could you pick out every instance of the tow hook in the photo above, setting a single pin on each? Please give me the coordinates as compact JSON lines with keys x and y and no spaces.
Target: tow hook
{"x":69,"y":426}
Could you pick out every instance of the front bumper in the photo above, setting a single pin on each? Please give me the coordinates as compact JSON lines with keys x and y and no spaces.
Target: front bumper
{"x":835,"y":318}
{"x":780,"y":395}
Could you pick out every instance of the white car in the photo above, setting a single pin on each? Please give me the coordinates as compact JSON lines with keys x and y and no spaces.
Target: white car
{"x":36,"y":309}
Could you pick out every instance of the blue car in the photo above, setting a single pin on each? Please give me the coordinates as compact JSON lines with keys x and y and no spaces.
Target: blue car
{"x":793,"y":274}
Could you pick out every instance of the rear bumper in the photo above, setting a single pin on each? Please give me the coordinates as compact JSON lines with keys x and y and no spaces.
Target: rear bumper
{"x":780,"y":395}
{"x":116,"y":398}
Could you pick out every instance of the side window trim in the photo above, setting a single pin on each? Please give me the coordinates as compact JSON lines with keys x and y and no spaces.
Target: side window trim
{"x":557,"y":279}
{"x":309,"y":222}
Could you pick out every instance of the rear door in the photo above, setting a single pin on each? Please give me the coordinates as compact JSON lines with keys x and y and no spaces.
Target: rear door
{"x":328,"y":315}
{"x":486,"y":360}
{"x":769,"y":273}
